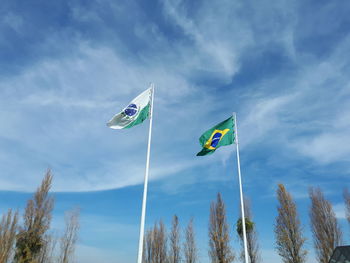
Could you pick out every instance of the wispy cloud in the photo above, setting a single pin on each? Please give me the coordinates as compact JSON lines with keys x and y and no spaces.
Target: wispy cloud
{"x":215,"y":47}
{"x":60,"y":105}
{"x":54,"y":110}
{"x":66,"y":68}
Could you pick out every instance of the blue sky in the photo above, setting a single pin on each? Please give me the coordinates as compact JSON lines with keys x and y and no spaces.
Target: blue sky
{"x":66,"y":67}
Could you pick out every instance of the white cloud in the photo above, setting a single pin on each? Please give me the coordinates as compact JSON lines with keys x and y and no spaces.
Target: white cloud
{"x":263,"y":118}
{"x":311,"y":118}
{"x":53,"y":113}
{"x":328,"y":147}
{"x":64,"y":104}
{"x":339,"y":210}
{"x":218,"y":40}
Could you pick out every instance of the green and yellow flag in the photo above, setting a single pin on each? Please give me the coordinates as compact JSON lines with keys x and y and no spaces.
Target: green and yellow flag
{"x":220,"y":135}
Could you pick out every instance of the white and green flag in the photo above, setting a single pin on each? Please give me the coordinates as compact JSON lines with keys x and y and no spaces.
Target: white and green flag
{"x":135,"y":113}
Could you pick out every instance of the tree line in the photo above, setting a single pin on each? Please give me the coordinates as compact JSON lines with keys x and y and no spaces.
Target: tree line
{"x":29,"y":240}
{"x":163,"y":247}
{"x":325,"y":228}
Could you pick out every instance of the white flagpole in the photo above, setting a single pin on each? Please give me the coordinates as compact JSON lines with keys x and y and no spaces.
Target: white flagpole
{"x":241,"y":193}
{"x":144,"y":201}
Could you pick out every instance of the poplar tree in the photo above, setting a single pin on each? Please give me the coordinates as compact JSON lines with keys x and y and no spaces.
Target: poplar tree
{"x":156,"y":244}
{"x":190,"y":247}
{"x":37,"y":218}
{"x":8,"y":231}
{"x":324,"y":225}
{"x":147,"y":256}
{"x":174,"y":253}
{"x":346,"y":196}
{"x":288,"y":230}
{"x":220,"y":250}
{"x":160,"y":243}
{"x":70,"y":237}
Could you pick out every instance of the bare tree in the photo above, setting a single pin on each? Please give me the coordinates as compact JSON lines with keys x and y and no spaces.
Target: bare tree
{"x":147,"y":255}
{"x":174,"y":253}
{"x":156,"y":244}
{"x":288,"y":230}
{"x":190,"y":248}
{"x":160,"y":243}
{"x":8,"y":231}
{"x":37,"y":218}
{"x":219,"y":237}
{"x":324,"y":225}
{"x":347,"y":204}
{"x":70,"y":236}
{"x":251,"y":234}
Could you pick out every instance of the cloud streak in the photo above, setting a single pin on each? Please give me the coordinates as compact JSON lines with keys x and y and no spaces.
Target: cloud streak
{"x":53,"y":111}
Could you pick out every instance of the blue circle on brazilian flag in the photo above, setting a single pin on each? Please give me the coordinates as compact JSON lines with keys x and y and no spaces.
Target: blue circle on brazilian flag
{"x":215,"y":139}
{"x":131,"y":110}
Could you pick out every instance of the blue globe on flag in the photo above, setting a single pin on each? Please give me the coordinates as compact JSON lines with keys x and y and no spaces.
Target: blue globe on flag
{"x":215,"y":140}
{"x":131,"y":110}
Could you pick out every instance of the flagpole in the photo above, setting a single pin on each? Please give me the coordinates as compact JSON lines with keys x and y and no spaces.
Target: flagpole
{"x":144,"y":201}
{"x":241,"y":192}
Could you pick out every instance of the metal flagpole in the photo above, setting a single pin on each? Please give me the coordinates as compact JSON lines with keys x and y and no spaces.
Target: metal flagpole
{"x":144,"y":201}
{"x":241,"y":192}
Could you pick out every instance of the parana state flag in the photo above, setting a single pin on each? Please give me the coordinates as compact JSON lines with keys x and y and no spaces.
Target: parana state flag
{"x":220,"y":135}
{"x":135,"y":113}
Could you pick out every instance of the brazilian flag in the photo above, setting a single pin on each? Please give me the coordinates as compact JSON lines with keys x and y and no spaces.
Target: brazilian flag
{"x":220,"y":135}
